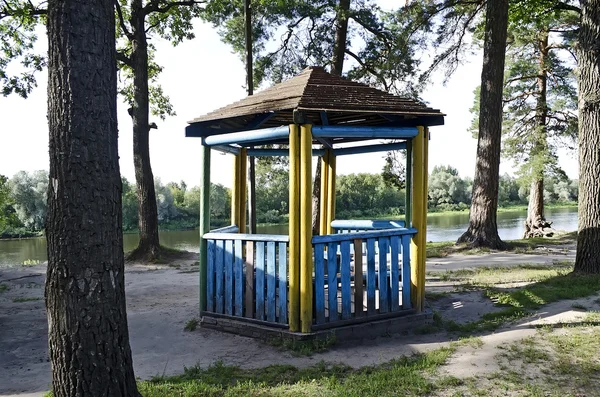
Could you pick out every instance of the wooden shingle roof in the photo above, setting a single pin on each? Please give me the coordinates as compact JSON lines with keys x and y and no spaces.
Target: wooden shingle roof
{"x":318,"y":98}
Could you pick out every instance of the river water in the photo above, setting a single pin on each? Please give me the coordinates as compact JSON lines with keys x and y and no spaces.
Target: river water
{"x":445,"y":227}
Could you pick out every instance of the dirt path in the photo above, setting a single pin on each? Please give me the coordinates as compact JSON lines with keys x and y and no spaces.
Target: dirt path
{"x":161,"y":300}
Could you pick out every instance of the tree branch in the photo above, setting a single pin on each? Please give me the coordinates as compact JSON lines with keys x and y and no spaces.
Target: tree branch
{"x":568,"y":7}
{"x":369,"y":69}
{"x":154,"y":6}
{"x":122,"y":21}
{"x":121,"y":57}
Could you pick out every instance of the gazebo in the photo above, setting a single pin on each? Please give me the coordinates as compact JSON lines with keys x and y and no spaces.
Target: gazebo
{"x":356,"y":274}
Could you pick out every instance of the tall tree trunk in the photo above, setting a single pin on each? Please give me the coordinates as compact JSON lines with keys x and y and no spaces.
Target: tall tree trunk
{"x":149,"y":246}
{"x":88,"y":339}
{"x":483,"y":230}
{"x":536,"y":224}
{"x":250,"y":83}
{"x":341,"y":34}
{"x":588,"y":237}
{"x":337,"y":66}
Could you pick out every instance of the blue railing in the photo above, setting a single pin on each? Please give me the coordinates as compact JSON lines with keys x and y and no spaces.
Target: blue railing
{"x":361,"y":274}
{"x":359,"y":225}
{"x":247,"y":275}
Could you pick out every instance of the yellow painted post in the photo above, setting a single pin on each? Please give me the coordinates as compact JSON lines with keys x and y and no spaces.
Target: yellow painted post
{"x":423,"y":258}
{"x":331,"y":192}
{"x":419,"y":196}
{"x":294,"y":231}
{"x":323,"y":229}
{"x":235,"y":192}
{"x":242,"y":189}
{"x":306,"y":264}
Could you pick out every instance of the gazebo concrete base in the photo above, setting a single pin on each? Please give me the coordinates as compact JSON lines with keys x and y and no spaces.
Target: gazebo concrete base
{"x":370,"y":329}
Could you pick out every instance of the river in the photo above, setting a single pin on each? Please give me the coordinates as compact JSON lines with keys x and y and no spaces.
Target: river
{"x":444,"y":227}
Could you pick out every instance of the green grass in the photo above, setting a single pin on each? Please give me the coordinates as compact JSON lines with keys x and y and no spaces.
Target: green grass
{"x":3,"y":287}
{"x":191,"y":325}
{"x":547,"y":284}
{"x":492,"y":275}
{"x":24,"y":299}
{"x":520,"y":246}
{"x":407,"y":376}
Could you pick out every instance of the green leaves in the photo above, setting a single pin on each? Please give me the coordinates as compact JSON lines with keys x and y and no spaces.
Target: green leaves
{"x":18,"y":21}
{"x":291,"y":35}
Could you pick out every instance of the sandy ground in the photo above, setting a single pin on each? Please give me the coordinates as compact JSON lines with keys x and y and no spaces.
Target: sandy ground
{"x":161,"y":300}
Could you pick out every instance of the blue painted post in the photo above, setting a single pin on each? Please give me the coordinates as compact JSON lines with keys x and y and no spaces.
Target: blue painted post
{"x":384,"y":243}
{"x":395,"y":273}
{"x":282,"y":274}
{"x":320,"y":283}
{"x":345,"y":275}
{"x":332,"y":281}
{"x":271,"y":285}
{"x":406,"y":272}
{"x":260,"y":280}
{"x":219,"y":276}
{"x":238,"y":278}
{"x":210,"y":272}
{"x":370,"y":276}
{"x":228,"y":277}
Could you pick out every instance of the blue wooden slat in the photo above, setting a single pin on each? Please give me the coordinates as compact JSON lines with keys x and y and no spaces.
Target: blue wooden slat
{"x":332,"y":281}
{"x":271,"y":284}
{"x":370,"y":277}
{"x":238,"y":274}
{"x":369,"y":149}
{"x":210,"y":276}
{"x":345,"y":274}
{"x":282,"y":278}
{"x":331,"y":238}
{"x":228,"y":259}
{"x":320,"y":283}
{"x":384,"y":303}
{"x":278,"y":238}
{"x":260,"y":281}
{"x":219,"y":276}
{"x":364,"y":224}
{"x":406,"y":272}
{"x":395,"y":274}
{"x":362,"y":132}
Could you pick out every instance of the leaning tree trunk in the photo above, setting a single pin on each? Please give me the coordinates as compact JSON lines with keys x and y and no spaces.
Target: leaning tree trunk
{"x":88,"y":339}
{"x":536,"y":224}
{"x":483,"y":230}
{"x":588,"y":237}
{"x":149,"y":246}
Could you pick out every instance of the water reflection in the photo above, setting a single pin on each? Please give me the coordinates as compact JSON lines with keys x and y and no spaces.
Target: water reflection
{"x":440,"y":228}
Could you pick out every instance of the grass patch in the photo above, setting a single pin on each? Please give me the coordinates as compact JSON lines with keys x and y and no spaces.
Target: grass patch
{"x":407,"y":376}
{"x":23,"y":299}
{"x":548,"y":284}
{"x":191,"y":325}
{"x":305,"y":348}
{"x":561,"y":287}
{"x":486,"y":276}
{"x":3,"y":287}
{"x":521,"y":246}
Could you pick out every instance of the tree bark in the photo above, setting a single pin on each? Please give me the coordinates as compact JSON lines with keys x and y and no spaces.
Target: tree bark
{"x":341,"y":34}
{"x":88,"y":338}
{"x":337,"y":66}
{"x":588,"y":237}
{"x":149,"y":245}
{"x":536,"y":224}
{"x":483,"y":229}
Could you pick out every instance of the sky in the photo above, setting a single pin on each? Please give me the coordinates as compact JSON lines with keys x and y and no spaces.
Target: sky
{"x":202,"y":75}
